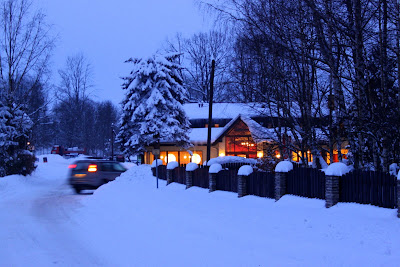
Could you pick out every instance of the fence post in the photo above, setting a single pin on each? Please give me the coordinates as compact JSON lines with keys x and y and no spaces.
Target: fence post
{"x":243,"y":174}
{"x":170,"y":174}
{"x":331,"y":190}
{"x":242,"y":186}
{"x":281,"y":174}
{"x":280,"y":184}
{"x":398,"y":195}
{"x":189,"y":179}
{"x":212,"y":177}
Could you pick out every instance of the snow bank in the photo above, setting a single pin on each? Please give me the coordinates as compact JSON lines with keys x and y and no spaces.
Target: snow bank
{"x":191,"y":167}
{"x":393,"y":168}
{"x":398,"y":176}
{"x":229,"y":159}
{"x":215,"y":168}
{"x":337,"y":169}
{"x":284,"y":166}
{"x":245,"y":170}
{"x":158,"y":162}
{"x":172,"y":165}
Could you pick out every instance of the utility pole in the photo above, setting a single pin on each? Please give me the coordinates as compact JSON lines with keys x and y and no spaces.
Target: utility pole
{"x":112,"y":141}
{"x":210,"y":109}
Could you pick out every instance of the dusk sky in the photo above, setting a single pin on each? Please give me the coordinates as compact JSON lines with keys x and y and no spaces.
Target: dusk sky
{"x":110,"y":32}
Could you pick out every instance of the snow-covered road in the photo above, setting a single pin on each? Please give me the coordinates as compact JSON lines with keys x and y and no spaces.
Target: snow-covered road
{"x":36,"y":227}
{"x":129,"y":222}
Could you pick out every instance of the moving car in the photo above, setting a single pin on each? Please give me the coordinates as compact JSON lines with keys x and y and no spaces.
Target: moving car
{"x":93,"y":173}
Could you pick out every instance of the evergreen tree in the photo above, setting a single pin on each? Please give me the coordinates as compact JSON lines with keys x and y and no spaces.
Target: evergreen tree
{"x":152,"y":108}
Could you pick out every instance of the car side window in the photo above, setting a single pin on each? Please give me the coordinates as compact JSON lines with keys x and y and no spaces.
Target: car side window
{"x":118,"y":167}
{"x":107,"y":167}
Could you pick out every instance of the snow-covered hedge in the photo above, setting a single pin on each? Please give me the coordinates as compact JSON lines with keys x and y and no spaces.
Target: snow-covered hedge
{"x":191,"y":167}
{"x":245,"y":170}
{"x":284,"y":166}
{"x":337,"y":169}
{"x":158,"y":162}
{"x":215,"y":168}
{"x":172,"y":165}
{"x":230,"y":159}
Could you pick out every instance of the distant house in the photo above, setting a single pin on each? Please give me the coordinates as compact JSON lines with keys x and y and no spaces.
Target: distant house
{"x":238,"y":130}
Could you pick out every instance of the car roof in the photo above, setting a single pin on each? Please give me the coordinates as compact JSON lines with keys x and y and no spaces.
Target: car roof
{"x":95,"y":160}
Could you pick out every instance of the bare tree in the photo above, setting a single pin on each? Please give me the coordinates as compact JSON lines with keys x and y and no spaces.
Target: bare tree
{"x":26,"y":46}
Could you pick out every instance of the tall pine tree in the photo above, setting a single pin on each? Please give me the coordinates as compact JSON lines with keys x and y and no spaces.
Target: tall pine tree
{"x":152,"y":108}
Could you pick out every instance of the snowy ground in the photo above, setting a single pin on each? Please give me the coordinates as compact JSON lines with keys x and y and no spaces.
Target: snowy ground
{"x":129,"y":222}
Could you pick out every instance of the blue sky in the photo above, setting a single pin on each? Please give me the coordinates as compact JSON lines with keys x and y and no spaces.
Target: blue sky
{"x":110,"y":32}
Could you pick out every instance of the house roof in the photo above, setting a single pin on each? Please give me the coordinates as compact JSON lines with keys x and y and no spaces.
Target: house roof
{"x":223,"y":110}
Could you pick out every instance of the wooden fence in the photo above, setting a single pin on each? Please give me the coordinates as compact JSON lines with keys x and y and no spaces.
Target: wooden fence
{"x":364,"y":187}
{"x":200,"y":177}
{"x":179,"y":175}
{"x":261,"y":184}
{"x":227,"y":180}
{"x":162,"y":172}
{"x":367,"y":187}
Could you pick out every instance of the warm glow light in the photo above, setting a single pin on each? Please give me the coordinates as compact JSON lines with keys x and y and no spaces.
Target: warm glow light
{"x":171,"y":157}
{"x":260,"y":154}
{"x":196,"y":158}
{"x":278,"y":156}
{"x":161,"y":157}
{"x":184,"y":157}
{"x":92,"y":168}
{"x":28,"y":143}
{"x":222,"y":154}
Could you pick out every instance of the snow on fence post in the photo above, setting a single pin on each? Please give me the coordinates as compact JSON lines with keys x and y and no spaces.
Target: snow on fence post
{"x":243,"y":174}
{"x":212,"y":176}
{"x":398,"y":195}
{"x":170,"y":171}
{"x":332,"y":176}
{"x":281,"y":174}
{"x":190,"y":168}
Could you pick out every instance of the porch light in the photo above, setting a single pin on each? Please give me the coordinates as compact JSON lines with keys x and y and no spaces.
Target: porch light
{"x":196,"y":158}
{"x":222,"y":154}
{"x":260,"y":154}
{"x":171,"y":157}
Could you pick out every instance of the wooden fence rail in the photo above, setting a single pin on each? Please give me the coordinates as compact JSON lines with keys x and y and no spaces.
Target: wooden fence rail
{"x":261,"y":184}
{"x":306,"y":182}
{"x":367,"y":187}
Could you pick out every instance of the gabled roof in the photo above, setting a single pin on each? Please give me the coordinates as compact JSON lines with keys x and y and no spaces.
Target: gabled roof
{"x":258,"y":132}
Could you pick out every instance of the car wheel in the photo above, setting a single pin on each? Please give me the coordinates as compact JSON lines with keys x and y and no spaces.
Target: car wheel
{"x":77,"y":190}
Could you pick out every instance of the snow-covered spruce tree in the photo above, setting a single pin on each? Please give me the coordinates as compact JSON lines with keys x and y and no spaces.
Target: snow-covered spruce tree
{"x":15,"y":127}
{"x":152,"y":108}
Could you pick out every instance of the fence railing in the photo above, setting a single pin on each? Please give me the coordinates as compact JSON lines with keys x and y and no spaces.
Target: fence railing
{"x":306,"y":182}
{"x":200,"y":177}
{"x":367,"y":187}
{"x":261,"y":184}
{"x":364,"y":187}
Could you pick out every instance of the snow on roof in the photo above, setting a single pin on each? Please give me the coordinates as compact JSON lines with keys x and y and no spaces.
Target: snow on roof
{"x":222,"y":110}
{"x":199,"y":135}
